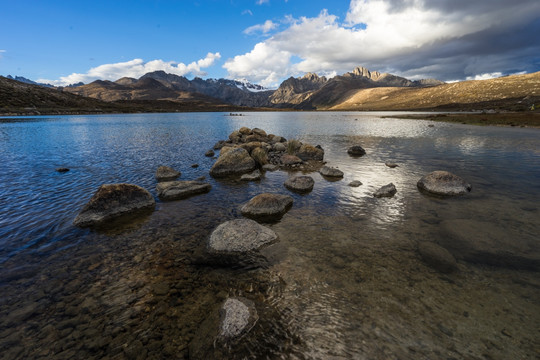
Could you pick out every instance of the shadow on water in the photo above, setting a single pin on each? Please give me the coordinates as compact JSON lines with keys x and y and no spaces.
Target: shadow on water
{"x":344,"y":281}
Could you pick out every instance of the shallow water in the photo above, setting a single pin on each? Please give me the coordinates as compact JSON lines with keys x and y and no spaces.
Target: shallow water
{"x":344,"y":281}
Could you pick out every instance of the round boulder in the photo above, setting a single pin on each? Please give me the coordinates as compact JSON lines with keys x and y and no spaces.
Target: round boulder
{"x":310,"y":152}
{"x":331,"y":172}
{"x":175,"y":190}
{"x":443,"y":183}
{"x":233,"y":162}
{"x":267,"y":207}
{"x":356,"y":150}
{"x":386,"y":191}
{"x":301,"y":184}
{"x":165,"y":173}
{"x":437,"y":257}
{"x":112,"y":201}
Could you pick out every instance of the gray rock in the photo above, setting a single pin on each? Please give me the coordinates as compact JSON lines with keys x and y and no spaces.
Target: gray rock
{"x":237,"y":318}
{"x":270,"y":167}
{"x":289,"y":160}
{"x":391,"y":165}
{"x":356,"y":150}
{"x":165,"y":173}
{"x":437,"y":257}
{"x":112,"y":201}
{"x":240,"y":236}
{"x":443,"y":183}
{"x":175,"y":190}
{"x":211,"y":152}
{"x":355,"y":183}
{"x":233,"y":162}
{"x":490,"y":243}
{"x":310,"y":152}
{"x":386,"y":191}
{"x":300,"y":184}
{"x":279,"y":146}
{"x":267,"y":207}
{"x":331,"y":172}
{"x":254,"y":176}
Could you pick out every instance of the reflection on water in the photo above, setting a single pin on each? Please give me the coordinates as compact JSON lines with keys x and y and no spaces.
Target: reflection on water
{"x":345,"y":281}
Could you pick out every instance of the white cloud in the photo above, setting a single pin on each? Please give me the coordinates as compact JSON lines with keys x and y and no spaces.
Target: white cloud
{"x":260,"y":2}
{"x":485,"y":76}
{"x":394,"y":35}
{"x":135,"y":69}
{"x":247,"y":12}
{"x":268,"y":26}
{"x":1,"y":52}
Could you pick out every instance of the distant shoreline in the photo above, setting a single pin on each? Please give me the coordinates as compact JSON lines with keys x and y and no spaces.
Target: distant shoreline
{"x":511,"y":119}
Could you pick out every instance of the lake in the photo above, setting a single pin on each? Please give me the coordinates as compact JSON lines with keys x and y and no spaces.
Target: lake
{"x":345,"y":280}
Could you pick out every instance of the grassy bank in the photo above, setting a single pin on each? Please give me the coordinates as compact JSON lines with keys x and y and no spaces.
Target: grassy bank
{"x":521,"y":119}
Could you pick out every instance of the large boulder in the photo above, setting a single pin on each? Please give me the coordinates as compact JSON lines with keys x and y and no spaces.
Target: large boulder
{"x":237,"y":317}
{"x":331,"y":172}
{"x":443,"y":183}
{"x":233,"y":162}
{"x":490,"y":243}
{"x":300,"y":184}
{"x":112,"y":201}
{"x":237,"y":243}
{"x":175,"y":190}
{"x":267,"y":207}
{"x":356,"y":150}
{"x":165,"y":173}
{"x":310,"y":152}
{"x":386,"y":191}
{"x":437,"y":257}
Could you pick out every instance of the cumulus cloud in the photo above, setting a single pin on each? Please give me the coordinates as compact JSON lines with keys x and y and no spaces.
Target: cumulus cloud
{"x":268,"y":26}
{"x":135,"y":69}
{"x":416,"y":38}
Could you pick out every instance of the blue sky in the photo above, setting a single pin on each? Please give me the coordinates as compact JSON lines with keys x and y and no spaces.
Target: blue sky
{"x":266,"y":41}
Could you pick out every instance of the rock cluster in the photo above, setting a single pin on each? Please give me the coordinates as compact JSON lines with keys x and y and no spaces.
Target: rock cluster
{"x":112,"y":201}
{"x":263,"y":149}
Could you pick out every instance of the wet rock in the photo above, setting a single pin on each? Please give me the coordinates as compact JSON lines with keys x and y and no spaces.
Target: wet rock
{"x":490,"y":243}
{"x":237,"y":318}
{"x":238,"y":241}
{"x":270,"y":167}
{"x":288,"y":160}
{"x":250,"y":146}
{"x":218,"y":146}
{"x":254,"y":176}
{"x":267,"y":207}
{"x":165,"y":173}
{"x":437,"y":257}
{"x":391,"y":165}
{"x":443,"y":183}
{"x":310,"y":152}
{"x":260,"y":156}
{"x":245,"y":130}
{"x":386,"y":191}
{"x":331,"y":172}
{"x":301,"y":184}
{"x":112,"y":201}
{"x":62,"y":169}
{"x":194,"y":166}
{"x":355,"y":183}
{"x":233,"y":162}
{"x":356,"y":150}
{"x":211,"y":152}
{"x":175,"y":190}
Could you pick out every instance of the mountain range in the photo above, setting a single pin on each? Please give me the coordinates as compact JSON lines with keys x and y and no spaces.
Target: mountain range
{"x":360,"y":89}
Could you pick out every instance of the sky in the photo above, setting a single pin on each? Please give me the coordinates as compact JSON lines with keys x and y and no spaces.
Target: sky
{"x":62,"y":42}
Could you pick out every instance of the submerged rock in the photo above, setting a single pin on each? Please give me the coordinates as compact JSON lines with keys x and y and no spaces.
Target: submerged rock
{"x":175,"y":190}
{"x":233,"y":162}
{"x":240,"y":235}
{"x":237,"y":318}
{"x":356,"y":150}
{"x":112,"y":201}
{"x":267,"y":207}
{"x":437,"y":257}
{"x":331,"y":172}
{"x":165,"y":173}
{"x":301,"y":184}
{"x":254,"y":176}
{"x":386,"y":191}
{"x":391,"y":165}
{"x":355,"y":183}
{"x":443,"y":183}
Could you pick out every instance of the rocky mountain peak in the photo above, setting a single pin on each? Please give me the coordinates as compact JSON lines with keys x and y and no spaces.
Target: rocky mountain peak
{"x":364,"y":72}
